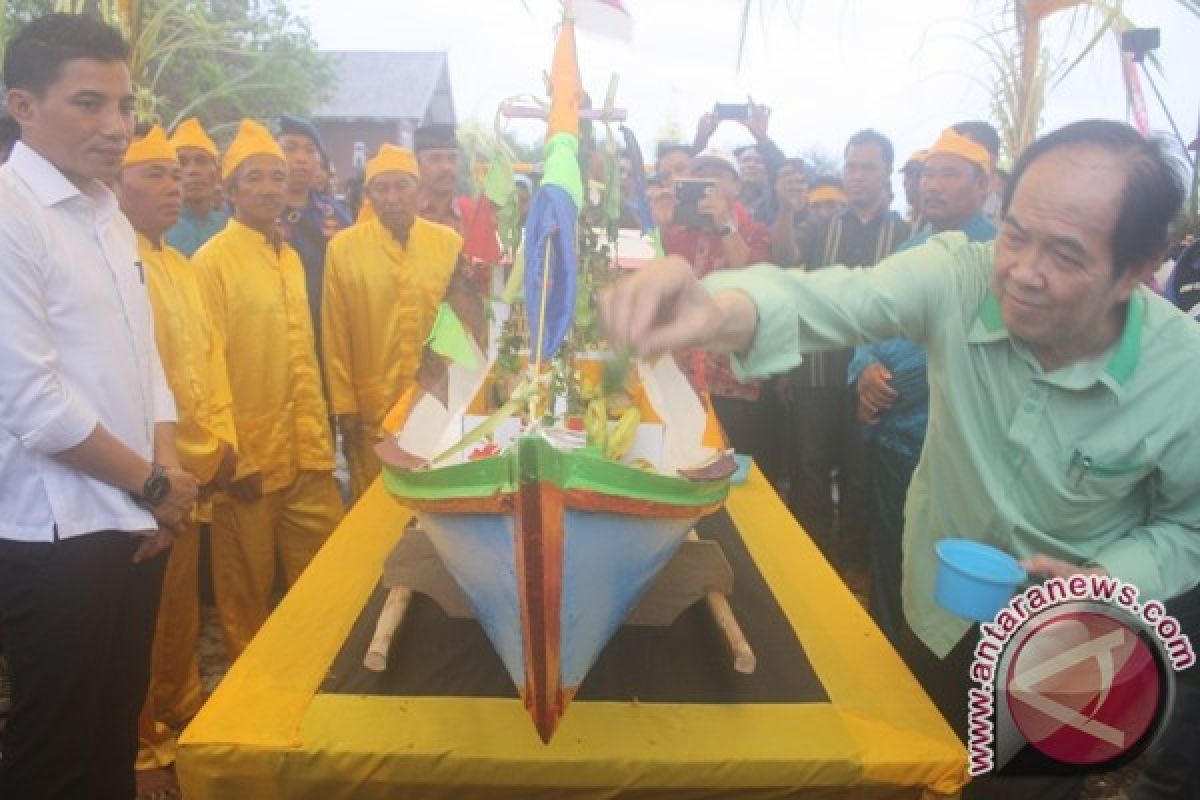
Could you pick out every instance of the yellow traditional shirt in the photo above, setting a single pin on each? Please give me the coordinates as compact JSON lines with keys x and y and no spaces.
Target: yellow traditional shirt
{"x":257,"y":301}
{"x":192,"y":357}
{"x":380,"y":301}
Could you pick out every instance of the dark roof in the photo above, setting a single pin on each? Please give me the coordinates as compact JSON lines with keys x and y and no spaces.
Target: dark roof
{"x":388,"y":85}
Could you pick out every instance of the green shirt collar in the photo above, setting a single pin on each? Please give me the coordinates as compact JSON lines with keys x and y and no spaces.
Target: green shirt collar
{"x":1122,"y":359}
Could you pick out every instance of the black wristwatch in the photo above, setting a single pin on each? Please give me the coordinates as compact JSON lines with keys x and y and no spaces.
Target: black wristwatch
{"x":155,"y":489}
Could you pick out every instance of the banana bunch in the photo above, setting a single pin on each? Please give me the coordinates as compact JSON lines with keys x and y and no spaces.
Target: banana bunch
{"x":620,"y":438}
{"x":595,"y":423}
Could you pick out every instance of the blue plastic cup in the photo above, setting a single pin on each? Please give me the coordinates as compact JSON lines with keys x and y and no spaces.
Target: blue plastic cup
{"x":743,"y":469}
{"x":975,"y":580}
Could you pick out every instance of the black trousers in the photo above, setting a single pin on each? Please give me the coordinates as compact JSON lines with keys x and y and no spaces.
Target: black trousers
{"x":891,"y":474}
{"x":78,"y":626}
{"x":1173,"y":761}
{"x":826,"y":440}
{"x":753,"y":428}
{"x":947,"y":681}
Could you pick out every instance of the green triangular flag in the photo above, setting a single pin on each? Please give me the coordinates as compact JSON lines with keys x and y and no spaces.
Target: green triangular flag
{"x":514,"y":289}
{"x":499,"y":185}
{"x":656,"y":238}
{"x":450,"y":339}
{"x":508,"y":225}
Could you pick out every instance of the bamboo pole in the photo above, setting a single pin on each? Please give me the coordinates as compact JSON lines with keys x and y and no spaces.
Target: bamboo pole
{"x":744,"y":660}
{"x":394,"y":609}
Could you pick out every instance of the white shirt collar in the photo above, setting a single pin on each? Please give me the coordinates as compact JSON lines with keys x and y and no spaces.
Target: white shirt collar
{"x":48,"y":183}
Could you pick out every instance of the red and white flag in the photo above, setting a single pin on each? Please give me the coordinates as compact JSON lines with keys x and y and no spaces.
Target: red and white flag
{"x":603,"y":17}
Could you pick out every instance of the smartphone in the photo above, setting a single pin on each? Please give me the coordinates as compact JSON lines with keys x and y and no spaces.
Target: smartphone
{"x":735,"y":111}
{"x":688,"y":194}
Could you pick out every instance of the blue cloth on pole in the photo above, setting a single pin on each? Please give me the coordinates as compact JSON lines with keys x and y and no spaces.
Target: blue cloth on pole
{"x":550,"y":226}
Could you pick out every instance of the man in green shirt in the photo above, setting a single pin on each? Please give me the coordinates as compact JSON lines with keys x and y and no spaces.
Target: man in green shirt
{"x":1062,"y":401}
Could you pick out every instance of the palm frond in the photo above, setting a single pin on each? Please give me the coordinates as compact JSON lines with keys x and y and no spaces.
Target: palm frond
{"x":1112,"y":20}
{"x":743,"y":30}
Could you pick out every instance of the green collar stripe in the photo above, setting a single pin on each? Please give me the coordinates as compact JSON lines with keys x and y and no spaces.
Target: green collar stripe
{"x":989,"y":313}
{"x":1124,"y":359}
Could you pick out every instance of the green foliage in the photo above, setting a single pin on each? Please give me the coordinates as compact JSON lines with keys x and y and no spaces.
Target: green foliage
{"x":822,"y":161}
{"x":264,"y":63}
{"x":216,"y":59}
{"x":1025,"y":71}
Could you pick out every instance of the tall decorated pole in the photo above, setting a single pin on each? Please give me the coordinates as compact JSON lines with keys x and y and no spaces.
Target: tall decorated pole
{"x":555,"y":534}
{"x":550,"y":257}
{"x":550,"y":260}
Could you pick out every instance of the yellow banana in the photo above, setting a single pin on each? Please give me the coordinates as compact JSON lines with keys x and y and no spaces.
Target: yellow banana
{"x":618,"y":403}
{"x":595,"y":424}
{"x":620,"y":438}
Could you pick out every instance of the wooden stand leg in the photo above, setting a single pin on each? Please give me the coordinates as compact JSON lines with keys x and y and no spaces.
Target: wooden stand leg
{"x":744,"y":660}
{"x":390,"y":618}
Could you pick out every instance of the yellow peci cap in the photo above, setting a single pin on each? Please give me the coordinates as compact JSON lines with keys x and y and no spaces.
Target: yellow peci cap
{"x":151,"y":147}
{"x":252,"y":139}
{"x":190,"y":133}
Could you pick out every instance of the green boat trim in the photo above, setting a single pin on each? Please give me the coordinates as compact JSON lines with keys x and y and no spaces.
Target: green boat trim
{"x":569,"y":470}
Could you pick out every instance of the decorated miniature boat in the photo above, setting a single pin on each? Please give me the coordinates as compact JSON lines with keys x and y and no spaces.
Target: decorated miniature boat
{"x":552,"y":516}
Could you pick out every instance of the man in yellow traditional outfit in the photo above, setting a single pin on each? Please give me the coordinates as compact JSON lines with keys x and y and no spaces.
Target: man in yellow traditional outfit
{"x":149,"y":193}
{"x":384,"y":280}
{"x":202,"y":215}
{"x":283,"y":498}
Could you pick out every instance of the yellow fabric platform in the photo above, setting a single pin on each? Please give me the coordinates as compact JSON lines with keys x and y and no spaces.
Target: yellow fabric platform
{"x":267,"y":733}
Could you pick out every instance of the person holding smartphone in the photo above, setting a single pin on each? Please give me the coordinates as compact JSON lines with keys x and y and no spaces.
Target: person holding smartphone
{"x":713,"y":231}
{"x":710,"y":221}
{"x":758,"y":163}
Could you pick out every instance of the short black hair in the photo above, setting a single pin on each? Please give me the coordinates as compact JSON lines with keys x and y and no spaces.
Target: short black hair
{"x":872,"y":136}
{"x":981,"y":133}
{"x":1153,"y":191}
{"x":35,"y":56}
{"x":821,"y":181}
{"x":795,"y":162}
{"x":665,"y":149}
{"x":798,"y":164}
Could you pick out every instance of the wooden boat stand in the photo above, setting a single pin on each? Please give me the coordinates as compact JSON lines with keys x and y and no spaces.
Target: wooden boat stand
{"x":698,"y":571}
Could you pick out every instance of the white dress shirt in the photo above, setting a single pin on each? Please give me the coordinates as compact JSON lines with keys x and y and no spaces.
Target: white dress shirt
{"x":76,"y":350}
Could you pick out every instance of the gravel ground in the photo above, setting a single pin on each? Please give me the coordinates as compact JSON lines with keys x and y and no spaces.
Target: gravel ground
{"x":214,"y":661}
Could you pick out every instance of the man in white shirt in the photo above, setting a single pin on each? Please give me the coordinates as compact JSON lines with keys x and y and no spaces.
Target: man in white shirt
{"x":90,"y":485}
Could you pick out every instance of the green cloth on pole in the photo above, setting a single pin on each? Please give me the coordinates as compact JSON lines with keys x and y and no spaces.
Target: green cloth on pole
{"x":562,"y":166}
{"x":499,"y":185}
{"x":514,"y":288}
{"x":450,"y":339}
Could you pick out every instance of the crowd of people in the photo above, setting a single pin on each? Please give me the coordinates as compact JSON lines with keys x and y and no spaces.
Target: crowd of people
{"x":192,"y":332}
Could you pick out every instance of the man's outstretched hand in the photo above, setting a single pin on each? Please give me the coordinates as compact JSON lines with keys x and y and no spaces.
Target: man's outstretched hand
{"x":664,"y":307}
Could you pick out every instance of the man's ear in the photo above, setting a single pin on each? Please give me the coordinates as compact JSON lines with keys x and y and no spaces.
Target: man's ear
{"x":21,"y":105}
{"x":1138,"y":275}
